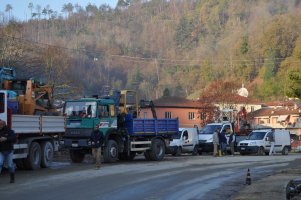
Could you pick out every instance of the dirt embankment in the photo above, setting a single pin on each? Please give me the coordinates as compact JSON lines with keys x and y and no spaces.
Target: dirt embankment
{"x":269,"y":188}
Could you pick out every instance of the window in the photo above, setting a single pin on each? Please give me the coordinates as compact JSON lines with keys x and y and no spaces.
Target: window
{"x":103,"y":111}
{"x":167,"y":115}
{"x":191,"y":116}
{"x":203,"y":116}
{"x":252,"y":108}
{"x":185,"y":135}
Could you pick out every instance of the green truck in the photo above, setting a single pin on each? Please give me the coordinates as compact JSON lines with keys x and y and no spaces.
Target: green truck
{"x":117,"y":116}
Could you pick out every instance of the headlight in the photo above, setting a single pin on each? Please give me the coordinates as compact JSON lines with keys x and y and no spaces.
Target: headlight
{"x":209,"y":140}
{"x":252,"y":143}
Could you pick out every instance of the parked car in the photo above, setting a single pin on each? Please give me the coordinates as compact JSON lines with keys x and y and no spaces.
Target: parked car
{"x":185,"y":142}
{"x":257,"y":142}
{"x":206,"y":134}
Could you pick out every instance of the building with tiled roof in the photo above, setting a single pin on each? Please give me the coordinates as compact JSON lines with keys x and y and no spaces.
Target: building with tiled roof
{"x":188,"y":111}
{"x":279,"y":117}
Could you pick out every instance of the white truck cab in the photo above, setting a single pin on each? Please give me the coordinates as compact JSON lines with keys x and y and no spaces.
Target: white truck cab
{"x":184,"y":142}
{"x":206,"y":135}
{"x":257,"y":142}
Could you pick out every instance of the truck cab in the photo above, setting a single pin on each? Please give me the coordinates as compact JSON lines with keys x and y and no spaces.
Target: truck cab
{"x":206,"y":135}
{"x":186,"y":141}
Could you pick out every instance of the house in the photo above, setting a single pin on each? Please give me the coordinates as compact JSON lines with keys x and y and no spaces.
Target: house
{"x":194,"y":112}
{"x":278,"y":117}
{"x":188,"y":111}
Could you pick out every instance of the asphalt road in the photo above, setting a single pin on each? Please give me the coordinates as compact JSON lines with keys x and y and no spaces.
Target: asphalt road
{"x":184,"y":177}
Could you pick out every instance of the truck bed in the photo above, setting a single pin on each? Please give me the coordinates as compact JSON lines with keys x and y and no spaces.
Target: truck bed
{"x":152,"y":126}
{"x":38,"y":124}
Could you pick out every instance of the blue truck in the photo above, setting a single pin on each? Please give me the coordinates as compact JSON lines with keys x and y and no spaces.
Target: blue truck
{"x":117,"y":116}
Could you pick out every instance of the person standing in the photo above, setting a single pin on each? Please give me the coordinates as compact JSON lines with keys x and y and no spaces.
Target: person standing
{"x":7,"y":140}
{"x":97,"y":140}
{"x":231,"y":142}
{"x":271,"y":139}
{"x":223,"y":142}
{"x":215,"y":141}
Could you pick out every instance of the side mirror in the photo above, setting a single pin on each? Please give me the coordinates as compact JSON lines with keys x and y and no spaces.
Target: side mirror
{"x":267,"y":139}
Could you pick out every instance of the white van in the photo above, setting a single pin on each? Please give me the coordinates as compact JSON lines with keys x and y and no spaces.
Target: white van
{"x":206,"y":135}
{"x":185,"y":141}
{"x":257,"y":142}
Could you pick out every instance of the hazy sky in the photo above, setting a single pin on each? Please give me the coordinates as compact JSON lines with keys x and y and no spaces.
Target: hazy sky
{"x":21,"y":11}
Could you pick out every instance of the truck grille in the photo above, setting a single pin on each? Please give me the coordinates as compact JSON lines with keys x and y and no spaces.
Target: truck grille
{"x":243,"y":144}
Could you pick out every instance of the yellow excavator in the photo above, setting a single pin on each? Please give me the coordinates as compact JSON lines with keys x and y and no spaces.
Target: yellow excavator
{"x":28,"y":97}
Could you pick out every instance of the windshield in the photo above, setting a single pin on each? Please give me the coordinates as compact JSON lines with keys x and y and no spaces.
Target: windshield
{"x":80,"y":109}
{"x":209,"y":129}
{"x":177,"y":136}
{"x":256,"y":135}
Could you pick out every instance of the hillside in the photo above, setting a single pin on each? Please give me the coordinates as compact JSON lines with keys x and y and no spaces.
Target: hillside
{"x":150,"y":46}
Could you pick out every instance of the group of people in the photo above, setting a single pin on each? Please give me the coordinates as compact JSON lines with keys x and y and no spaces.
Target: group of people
{"x":220,"y":142}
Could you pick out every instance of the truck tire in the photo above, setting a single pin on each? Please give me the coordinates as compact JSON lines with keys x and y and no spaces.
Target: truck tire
{"x":157,"y":152}
{"x":76,"y":156}
{"x":285,"y":151}
{"x":33,"y":160}
{"x":47,"y":154}
{"x":111,"y":152}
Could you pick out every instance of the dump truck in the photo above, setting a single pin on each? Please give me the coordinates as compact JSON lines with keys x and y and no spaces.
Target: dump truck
{"x":38,"y":136}
{"x":117,"y":116}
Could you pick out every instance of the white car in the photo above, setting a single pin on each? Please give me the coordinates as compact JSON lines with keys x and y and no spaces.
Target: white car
{"x":185,"y":142}
{"x":257,"y":142}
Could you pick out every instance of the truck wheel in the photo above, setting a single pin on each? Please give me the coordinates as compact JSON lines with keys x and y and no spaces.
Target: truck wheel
{"x":33,"y":160}
{"x":285,"y":151}
{"x":195,"y":150}
{"x":47,"y":154}
{"x":260,"y":151}
{"x":77,"y":156}
{"x":157,"y":152}
{"x":111,"y":151}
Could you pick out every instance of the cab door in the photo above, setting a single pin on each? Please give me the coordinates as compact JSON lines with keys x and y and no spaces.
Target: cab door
{"x":187,"y":141}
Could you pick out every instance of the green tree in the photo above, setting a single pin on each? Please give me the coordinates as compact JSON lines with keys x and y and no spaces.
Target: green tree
{"x":294,"y":83}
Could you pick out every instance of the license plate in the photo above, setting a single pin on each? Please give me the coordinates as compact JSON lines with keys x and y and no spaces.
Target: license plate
{"x":243,"y":148}
{"x":74,"y":145}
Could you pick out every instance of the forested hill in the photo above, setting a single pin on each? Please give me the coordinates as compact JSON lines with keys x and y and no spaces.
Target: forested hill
{"x":154,"y":45}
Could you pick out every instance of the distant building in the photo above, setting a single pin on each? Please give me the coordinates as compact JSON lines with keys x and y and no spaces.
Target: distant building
{"x":189,"y":112}
{"x":278,"y":117}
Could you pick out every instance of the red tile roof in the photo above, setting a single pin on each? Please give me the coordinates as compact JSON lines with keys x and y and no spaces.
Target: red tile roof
{"x":177,"y":102}
{"x":274,"y":112}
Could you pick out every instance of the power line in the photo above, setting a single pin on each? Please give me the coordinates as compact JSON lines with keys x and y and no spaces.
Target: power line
{"x":163,"y":61}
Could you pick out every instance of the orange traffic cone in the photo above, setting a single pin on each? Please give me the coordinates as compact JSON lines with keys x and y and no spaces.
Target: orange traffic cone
{"x":248,"y":178}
